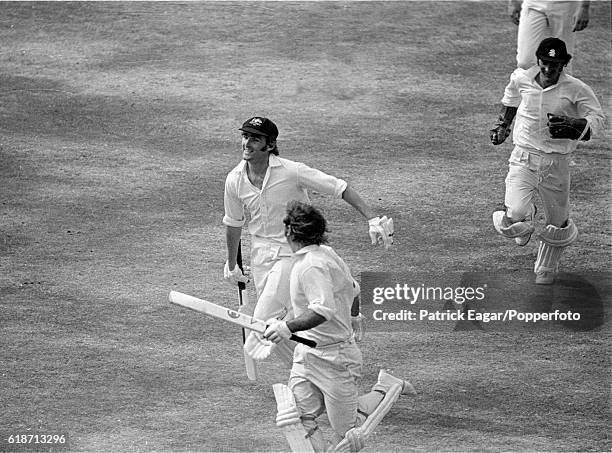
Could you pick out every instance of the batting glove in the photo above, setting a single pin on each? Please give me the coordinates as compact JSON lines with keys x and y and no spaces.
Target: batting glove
{"x":359,"y":327}
{"x":500,"y":133}
{"x":381,"y":230}
{"x":257,"y":347}
{"x":277,"y":330}
{"x":235,"y":275}
{"x":561,"y":126}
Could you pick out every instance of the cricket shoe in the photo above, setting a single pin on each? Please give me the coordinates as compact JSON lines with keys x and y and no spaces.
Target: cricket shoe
{"x":500,"y":221}
{"x":386,"y":380}
{"x":506,"y":228}
{"x":545,"y":277}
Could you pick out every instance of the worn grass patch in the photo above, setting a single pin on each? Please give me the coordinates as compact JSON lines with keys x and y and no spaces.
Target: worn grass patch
{"x":118,"y":124}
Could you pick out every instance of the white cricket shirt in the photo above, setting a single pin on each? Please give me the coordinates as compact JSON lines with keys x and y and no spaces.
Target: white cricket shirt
{"x":285,"y":181}
{"x":569,"y":97}
{"x":322,"y":282}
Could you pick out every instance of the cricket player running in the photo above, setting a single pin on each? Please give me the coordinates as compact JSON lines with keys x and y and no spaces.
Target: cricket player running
{"x":262,"y":184}
{"x":326,"y":377}
{"x":554,"y":111}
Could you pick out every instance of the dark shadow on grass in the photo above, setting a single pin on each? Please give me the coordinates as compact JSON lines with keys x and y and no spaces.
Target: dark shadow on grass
{"x":582,"y":298}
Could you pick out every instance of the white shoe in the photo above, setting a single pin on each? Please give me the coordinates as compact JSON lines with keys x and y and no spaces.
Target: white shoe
{"x":523,"y":240}
{"x":500,"y":221}
{"x":545,"y":278}
{"x":386,"y":380}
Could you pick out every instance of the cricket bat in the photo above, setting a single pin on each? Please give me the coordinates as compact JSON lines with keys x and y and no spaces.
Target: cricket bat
{"x":249,"y":362}
{"x":227,"y":314}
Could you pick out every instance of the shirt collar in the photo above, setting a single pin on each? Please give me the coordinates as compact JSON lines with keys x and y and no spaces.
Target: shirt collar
{"x":536,"y":71}
{"x":308,"y":248}
{"x":273,"y":161}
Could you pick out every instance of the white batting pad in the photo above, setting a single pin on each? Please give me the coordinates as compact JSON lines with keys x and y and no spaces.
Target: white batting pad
{"x":294,"y":432}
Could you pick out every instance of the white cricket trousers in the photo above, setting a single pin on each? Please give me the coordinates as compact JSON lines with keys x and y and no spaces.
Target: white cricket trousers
{"x":271,"y":265}
{"x":543,"y":19}
{"x":547,"y":175}
{"x":326,"y":378}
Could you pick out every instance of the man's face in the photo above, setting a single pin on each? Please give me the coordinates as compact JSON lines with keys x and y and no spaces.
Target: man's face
{"x":254,"y":147}
{"x":550,"y":71}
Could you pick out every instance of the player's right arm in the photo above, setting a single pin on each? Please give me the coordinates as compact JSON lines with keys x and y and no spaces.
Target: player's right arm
{"x":514,"y":9}
{"x":233,"y":220}
{"x":232,"y":239}
{"x":510,"y":103}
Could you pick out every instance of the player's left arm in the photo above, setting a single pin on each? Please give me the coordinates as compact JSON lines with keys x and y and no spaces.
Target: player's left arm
{"x":351,"y":196}
{"x":588,"y":122}
{"x":380,"y":229}
{"x":589,"y":108}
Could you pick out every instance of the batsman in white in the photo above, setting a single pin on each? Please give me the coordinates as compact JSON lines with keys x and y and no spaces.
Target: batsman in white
{"x":325,"y":378}
{"x":262,"y":184}
{"x":554,"y":111}
{"x":539,"y":19}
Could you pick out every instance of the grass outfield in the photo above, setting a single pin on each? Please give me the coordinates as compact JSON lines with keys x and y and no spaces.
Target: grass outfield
{"x":118,"y":125}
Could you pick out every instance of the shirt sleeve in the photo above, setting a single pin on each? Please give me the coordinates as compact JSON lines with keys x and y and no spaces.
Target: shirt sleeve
{"x":316,"y":180}
{"x":318,"y":289}
{"x":588,"y":107}
{"x":512,"y":95}
{"x":234,"y":209}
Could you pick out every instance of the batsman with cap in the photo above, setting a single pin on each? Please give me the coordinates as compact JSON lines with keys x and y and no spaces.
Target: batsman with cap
{"x":554,"y":111}
{"x":261,"y":185}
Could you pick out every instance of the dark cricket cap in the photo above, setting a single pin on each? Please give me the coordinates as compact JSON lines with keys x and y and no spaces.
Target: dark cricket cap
{"x":261,"y":126}
{"x":553,"y":49}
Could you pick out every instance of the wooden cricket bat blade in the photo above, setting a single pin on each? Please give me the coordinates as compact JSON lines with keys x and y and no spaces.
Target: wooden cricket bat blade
{"x":227,"y":314}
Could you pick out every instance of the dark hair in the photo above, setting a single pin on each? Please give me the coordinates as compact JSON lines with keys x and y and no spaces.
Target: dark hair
{"x":269,"y":140}
{"x":306,"y":223}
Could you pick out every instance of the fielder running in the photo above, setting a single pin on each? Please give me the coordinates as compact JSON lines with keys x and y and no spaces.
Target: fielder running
{"x":262,"y":184}
{"x":326,"y":378}
{"x":554,"y":111}
{"x":539,"y":19}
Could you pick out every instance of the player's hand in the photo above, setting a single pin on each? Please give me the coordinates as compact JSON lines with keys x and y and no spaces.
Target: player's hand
{"x":581,"y":19}
{"x":381,"y":230}
{"x":359,"y":327}
{"x":499,"y":133}
{"x":235,"y":275}
{"x":257,"y":347}
{"x":514,"y":9}
{"x":277,"y":330}
{"x":565,"y":127}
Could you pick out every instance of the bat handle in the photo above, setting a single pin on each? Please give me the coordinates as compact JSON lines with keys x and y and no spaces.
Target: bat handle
{"x":307,"y":342}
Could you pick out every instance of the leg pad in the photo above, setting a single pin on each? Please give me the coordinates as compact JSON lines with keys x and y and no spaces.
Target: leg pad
{"x":560,"y":237}
{"x":354,"y":440}
{"x":294,"y":431}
